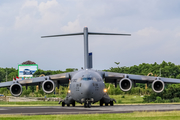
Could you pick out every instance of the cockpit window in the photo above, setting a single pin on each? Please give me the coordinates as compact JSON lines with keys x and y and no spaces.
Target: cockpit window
{"x":88,"y":78}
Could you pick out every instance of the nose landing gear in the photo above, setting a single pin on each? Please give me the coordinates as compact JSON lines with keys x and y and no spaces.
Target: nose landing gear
{"x":87,"y":103}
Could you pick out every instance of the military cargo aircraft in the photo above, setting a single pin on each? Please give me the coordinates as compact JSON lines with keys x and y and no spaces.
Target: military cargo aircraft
{"x":87,"y":86}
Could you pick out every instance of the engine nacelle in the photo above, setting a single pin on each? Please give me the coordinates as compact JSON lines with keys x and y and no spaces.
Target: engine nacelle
{"x":158,"y":86}
{"x":16,"y":89}
{"x":125,"y":84}
{"x":48,"y":86}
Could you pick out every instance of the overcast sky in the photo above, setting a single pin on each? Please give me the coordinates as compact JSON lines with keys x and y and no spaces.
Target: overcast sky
{"x":154,"y":25}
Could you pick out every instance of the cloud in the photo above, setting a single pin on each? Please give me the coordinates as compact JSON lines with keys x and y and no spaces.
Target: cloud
{"x":148,"y":32}
{"x":29,"y":4}
{"x":32,"y":15}
{"x":153,"y":25}
{"x":72,"y":27}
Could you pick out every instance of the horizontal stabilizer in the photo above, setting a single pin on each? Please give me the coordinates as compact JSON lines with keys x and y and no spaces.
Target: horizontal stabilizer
{"x":63,"y":35}
{"x":92,"y":33}
{"x":89,"y":33}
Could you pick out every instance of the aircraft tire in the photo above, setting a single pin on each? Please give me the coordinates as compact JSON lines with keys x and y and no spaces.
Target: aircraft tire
{"x":73,"y":104}
{"x":101,"y":103}
{"x":89,"y":105}
{"x":85,"y":105}
{"x":63,"y":104}
{"x":111,"y":103}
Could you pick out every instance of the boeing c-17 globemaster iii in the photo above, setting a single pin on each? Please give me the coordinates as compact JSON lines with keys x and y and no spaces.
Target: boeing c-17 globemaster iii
{"x":87,"y":86}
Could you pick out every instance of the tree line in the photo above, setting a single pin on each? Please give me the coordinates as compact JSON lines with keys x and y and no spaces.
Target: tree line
{"x":164,"y":69}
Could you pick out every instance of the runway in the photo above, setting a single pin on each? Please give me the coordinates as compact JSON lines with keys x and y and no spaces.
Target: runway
{"x":81,"y":110}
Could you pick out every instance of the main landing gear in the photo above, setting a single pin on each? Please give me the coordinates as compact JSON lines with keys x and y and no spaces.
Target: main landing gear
{"x":111,"y":103}
{"x":73,"y":104}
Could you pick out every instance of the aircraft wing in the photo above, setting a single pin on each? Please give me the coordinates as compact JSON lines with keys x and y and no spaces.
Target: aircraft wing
{"x":62,"y":78}
{"x":111,"y":77}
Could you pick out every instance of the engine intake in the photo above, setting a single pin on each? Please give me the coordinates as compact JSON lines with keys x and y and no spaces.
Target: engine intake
{"x":158,"y":86}
{"x":16,"y":89}
{"x":48,"y":86}
{"x":125,"y":84}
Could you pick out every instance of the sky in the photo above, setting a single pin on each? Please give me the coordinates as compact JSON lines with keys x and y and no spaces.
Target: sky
{"x":154,"y":26}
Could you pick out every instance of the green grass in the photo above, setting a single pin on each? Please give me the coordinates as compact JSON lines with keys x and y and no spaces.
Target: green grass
{"x":120,"y":99}
{"x":168,"y":115}
{"x":128,"y":99}
{"x":32,"y":103}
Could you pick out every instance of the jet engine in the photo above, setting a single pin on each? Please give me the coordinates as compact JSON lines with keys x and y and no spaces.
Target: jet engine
{"x":16,"y":89}
{"x":48,"y":86}
{"x":158,"y":86}
{"x":125,"y":84}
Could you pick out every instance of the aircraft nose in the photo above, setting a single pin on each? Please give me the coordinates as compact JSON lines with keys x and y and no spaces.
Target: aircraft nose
{"x":87,"y":89}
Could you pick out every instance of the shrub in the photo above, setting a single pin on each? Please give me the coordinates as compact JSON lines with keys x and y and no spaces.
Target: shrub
{"x":176,"y":99}
{"x":158,"y":100}
{"x":119,"y":101}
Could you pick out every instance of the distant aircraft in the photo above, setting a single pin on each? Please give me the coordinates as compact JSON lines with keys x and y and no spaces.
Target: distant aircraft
{"x":87,"y":86}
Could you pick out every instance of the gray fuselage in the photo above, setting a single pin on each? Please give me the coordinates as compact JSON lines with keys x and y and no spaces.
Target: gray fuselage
{"x":87,"y":85}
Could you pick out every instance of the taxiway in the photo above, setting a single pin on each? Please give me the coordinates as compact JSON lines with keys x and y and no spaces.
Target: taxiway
{"x":81,"y":110}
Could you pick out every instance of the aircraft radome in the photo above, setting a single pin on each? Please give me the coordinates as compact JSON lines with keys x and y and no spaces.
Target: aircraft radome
{"x":87,"y":85}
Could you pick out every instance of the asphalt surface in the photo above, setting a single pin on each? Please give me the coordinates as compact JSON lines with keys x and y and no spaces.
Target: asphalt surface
{"x":82,"y":110}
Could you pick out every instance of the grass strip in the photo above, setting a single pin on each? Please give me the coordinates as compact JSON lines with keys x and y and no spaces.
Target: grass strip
{"x":168,"y":115}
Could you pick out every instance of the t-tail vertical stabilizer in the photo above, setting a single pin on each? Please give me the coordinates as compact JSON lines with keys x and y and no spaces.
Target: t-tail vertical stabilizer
{"x":87,"y":57}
